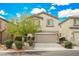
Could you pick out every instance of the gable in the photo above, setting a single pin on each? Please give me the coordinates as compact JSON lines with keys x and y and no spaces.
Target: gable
{"x":69,"y":19}
{"x":43,"y":13}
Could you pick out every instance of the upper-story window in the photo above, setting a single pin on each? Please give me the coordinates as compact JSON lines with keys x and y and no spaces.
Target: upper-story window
{"x":76,"y":22}
{"x":50,"y":22}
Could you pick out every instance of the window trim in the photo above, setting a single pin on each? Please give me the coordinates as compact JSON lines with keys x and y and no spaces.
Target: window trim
{"x":75,"y":23}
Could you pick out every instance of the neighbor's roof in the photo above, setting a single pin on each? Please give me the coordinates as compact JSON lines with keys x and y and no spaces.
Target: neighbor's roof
{"x":73,"y":17}
{"x":3,"y":19}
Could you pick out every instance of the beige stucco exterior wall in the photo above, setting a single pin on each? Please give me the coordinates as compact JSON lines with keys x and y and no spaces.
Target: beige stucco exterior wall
{"x":66,"y":31}
{"x":38,"y":21}
{"x":44,"y":23}
{"x":72,"y":33}
{"x":4,"y":27}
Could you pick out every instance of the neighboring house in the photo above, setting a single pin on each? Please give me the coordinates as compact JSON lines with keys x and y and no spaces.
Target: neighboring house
{"x":49,"y":28}
{"x":3,"y":32}
{"x":70,"y":29}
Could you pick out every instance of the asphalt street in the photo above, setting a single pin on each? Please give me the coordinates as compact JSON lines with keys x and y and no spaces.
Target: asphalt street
{"x":42,"y":53}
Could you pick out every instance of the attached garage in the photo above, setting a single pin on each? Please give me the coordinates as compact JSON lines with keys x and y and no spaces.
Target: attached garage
{"x":46,"y":38}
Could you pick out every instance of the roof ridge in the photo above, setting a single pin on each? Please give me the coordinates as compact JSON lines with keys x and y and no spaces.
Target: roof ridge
{"x":47,"y":14}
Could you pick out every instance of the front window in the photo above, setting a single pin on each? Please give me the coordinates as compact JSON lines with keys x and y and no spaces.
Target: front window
{"x":50,"y":23}
{"x":76,"y":21}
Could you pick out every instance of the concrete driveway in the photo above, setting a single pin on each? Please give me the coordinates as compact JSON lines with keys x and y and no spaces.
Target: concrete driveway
{"x":48,"y":46}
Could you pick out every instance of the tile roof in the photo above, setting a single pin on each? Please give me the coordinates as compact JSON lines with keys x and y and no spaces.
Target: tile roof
{"x":72,"y":17}
{"x":3,"y":19}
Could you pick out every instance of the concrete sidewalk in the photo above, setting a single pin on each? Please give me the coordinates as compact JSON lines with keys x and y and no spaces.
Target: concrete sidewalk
{"x":42,"y":50}
{"x":43,"y":47}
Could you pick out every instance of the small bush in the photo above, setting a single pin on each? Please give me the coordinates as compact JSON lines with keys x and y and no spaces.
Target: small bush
{"x":18,"y":44}
{"x":68,"y":44}
{"x":8,"y":43}
{"x":18,"y":38}
{"x":61,"y":40}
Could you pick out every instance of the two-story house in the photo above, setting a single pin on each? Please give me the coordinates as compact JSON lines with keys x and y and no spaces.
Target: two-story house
{"x":70,"y":29}
{"x":49,"y":28}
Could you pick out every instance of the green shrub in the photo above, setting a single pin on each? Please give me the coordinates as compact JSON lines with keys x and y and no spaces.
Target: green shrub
{"x":18,"y":38}
{"x":61,"y":40}
{"x":18,"y":44}
{"x":8,"y":43}
{"x":68,"y":44}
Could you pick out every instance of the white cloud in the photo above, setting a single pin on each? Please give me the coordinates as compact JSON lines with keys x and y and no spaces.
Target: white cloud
{"x":18,"y":14}
{"x":25,"y":8}
{"x":37,"y":10}
{"x":2,"y":12}
{"x":52,"y":7}
{"x":6,"y":13}
{"x":61,"y":3}
{"x":49,"y":12}
{"x":53,"y":4}
{"x":68,"y":12}
{"x":40,"y":1}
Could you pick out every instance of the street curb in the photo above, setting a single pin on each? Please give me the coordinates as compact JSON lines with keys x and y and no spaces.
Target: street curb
{"x":10,"y":51}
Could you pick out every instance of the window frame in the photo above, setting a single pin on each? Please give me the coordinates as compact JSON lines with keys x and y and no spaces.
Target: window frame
{"x":75,"y":22}
{"x":49,"y":21}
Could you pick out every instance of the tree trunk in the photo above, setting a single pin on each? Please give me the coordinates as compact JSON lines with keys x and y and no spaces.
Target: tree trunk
{"x":12,"y":37}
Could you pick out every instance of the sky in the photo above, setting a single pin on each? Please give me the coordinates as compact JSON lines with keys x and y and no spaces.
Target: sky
{"x":62,"y":11}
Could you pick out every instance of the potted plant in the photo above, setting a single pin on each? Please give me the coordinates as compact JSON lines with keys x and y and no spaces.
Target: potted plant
{"x":18,"y":38}
{"x":30,"y":41}
{"x":18,"y":44}
{"x":8,"y":43}
{"x":68,"y":44}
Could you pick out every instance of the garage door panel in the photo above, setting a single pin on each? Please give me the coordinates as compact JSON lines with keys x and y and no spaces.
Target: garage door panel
{"x":46,"y":38}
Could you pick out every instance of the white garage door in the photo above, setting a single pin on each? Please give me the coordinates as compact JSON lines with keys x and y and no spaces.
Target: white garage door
{"x":46,"y":38}
{"x":76,"y":37}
